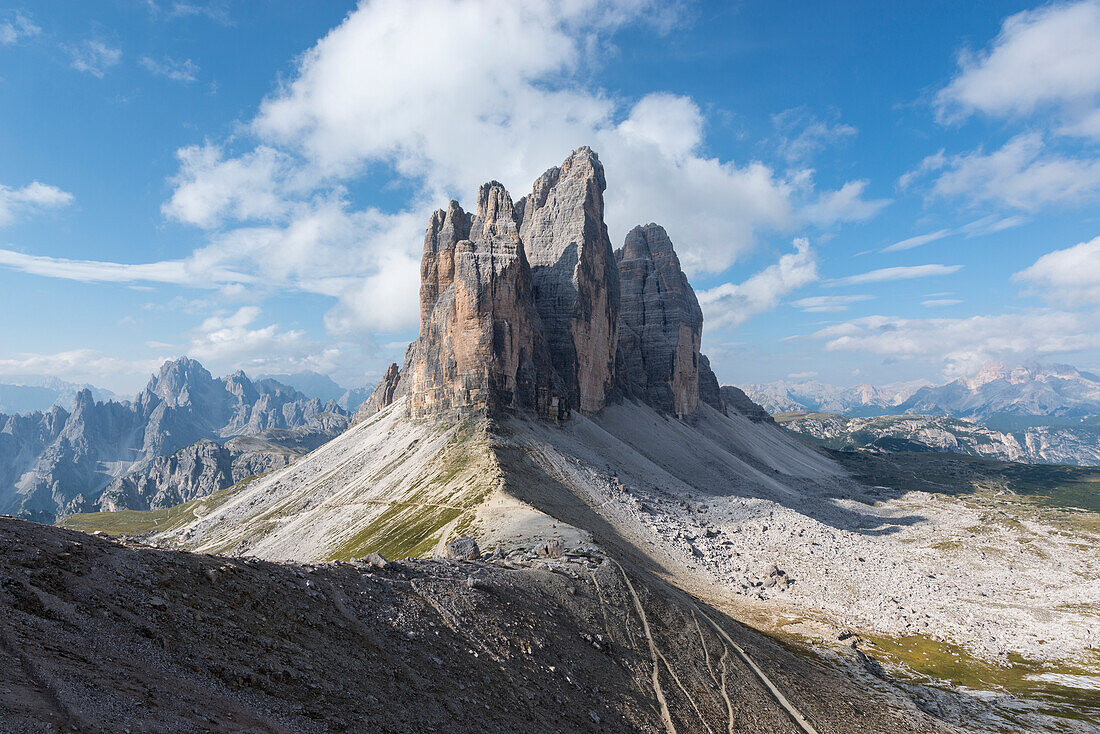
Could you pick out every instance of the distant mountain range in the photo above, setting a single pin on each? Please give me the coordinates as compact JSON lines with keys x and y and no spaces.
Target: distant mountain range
{"x":1006,"y":398}
{"x":920,"y":433}
{"x":1034,"y":413}
{"x":28,"y":394}
{"x":316,"y":385}
{"x":60,"y":461}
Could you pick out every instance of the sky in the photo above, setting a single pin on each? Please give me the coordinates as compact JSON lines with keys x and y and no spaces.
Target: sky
{"x":859,"y":191}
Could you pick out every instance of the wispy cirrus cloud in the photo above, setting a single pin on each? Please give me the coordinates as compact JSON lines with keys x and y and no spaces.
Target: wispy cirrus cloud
{"x":904,"y":272}
{"x":94,"y":57}
{"x":176,"y":272}
{"x":829,"y":304}
{"x":185,"y":70}
{"x":16,"y":28}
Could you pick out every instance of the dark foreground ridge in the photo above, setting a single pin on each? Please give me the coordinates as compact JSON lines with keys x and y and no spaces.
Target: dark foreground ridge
{"x":99,"y":636}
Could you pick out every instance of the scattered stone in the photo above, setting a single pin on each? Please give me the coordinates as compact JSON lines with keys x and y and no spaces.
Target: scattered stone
{"x":552,"y":548}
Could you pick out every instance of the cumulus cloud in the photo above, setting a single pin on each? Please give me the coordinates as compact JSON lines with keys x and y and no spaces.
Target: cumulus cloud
{"x":1047,"y":57}
{"x":731,"y":304}
{"x":94,"y":57}
{"x":1023,"y":174}
{"x":185,"y":71}
{"x":227,"y":337}
{"x":846,"y":204}
{"x":33,"y":196}
{"x":1070,"y":276}
{"x":963,"y":345}
{"x":493,"y":92}
{"x":904,"y":272}
{"x":18,"y":27}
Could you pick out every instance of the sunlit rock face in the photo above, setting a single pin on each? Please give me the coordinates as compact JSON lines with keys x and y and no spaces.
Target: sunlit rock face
{"x":481,"y":340}
{"x":576,"y":281}
{"x":525,"y":306}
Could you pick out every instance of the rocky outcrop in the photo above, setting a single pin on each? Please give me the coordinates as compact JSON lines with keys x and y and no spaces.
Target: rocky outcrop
{"x":481,"y":339}
{"x":575,"y":278}
{"x":735,"y":399}
{"x":384,"y":394}
{"x":660,"y":324}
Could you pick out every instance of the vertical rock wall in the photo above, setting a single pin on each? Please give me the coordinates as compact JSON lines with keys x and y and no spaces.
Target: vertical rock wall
{"x":526,"y":306}
{"x":575,"y":277}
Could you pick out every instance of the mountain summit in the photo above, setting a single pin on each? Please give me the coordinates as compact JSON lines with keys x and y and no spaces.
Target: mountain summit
{"x":524,"y":306}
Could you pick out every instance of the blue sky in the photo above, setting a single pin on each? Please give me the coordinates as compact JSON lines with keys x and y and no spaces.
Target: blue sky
{"x":861,"y":191}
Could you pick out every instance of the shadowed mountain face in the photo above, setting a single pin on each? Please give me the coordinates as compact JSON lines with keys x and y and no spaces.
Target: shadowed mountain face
{"x":59,"y":462}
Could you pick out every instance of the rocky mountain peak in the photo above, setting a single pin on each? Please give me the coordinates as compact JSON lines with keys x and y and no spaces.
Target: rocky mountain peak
{"x":575,"y":278}
{"x":660,"y":323}
{"x":521,"y":306}
{"x":179,"y":381}
{"x":481,"y":340}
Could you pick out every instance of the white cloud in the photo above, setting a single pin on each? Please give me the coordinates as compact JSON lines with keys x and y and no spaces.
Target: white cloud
{"x":209,"y":187}
{"x":731,"y":304}
{"x":1043,"y":57}
{"x":802,"y":134}
{"x":185,"y":71}
{"x":494,"y":91}
{"x":228,"y":338}
{"x":34,"y":195}
{"x":965,"y":344}
{"x":178,"y":272}
{"x":930,"y":163}
{"x":94,"y":57}
{"x":904,"y":272}
{"x":79,"y":365}
{"x":843,"y":205}
{"x":1022,"y":174}
{"x":801,"y":375}
{"x":19,"y":27}
{"x":940,"y":302}
{"x":922,"y":239}
{"x":828,"y":304}
{"x":1070,"y":276}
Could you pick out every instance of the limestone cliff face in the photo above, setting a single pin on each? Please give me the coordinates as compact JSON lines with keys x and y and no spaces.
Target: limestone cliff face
{"x":526,"y":306}
{"x":575,"y":278}
{"x":660,"y":324}
{"x":481,"y":339}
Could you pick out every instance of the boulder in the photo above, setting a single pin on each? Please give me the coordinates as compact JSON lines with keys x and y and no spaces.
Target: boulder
{"x":463,"y":549}
{"x":552,"y":548}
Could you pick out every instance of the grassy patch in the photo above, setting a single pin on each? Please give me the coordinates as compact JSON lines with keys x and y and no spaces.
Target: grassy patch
{"x":948,"y":662}
{"x":140,"y":522}
{"x":1047,"y":485}
{"x":412,"y":528}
